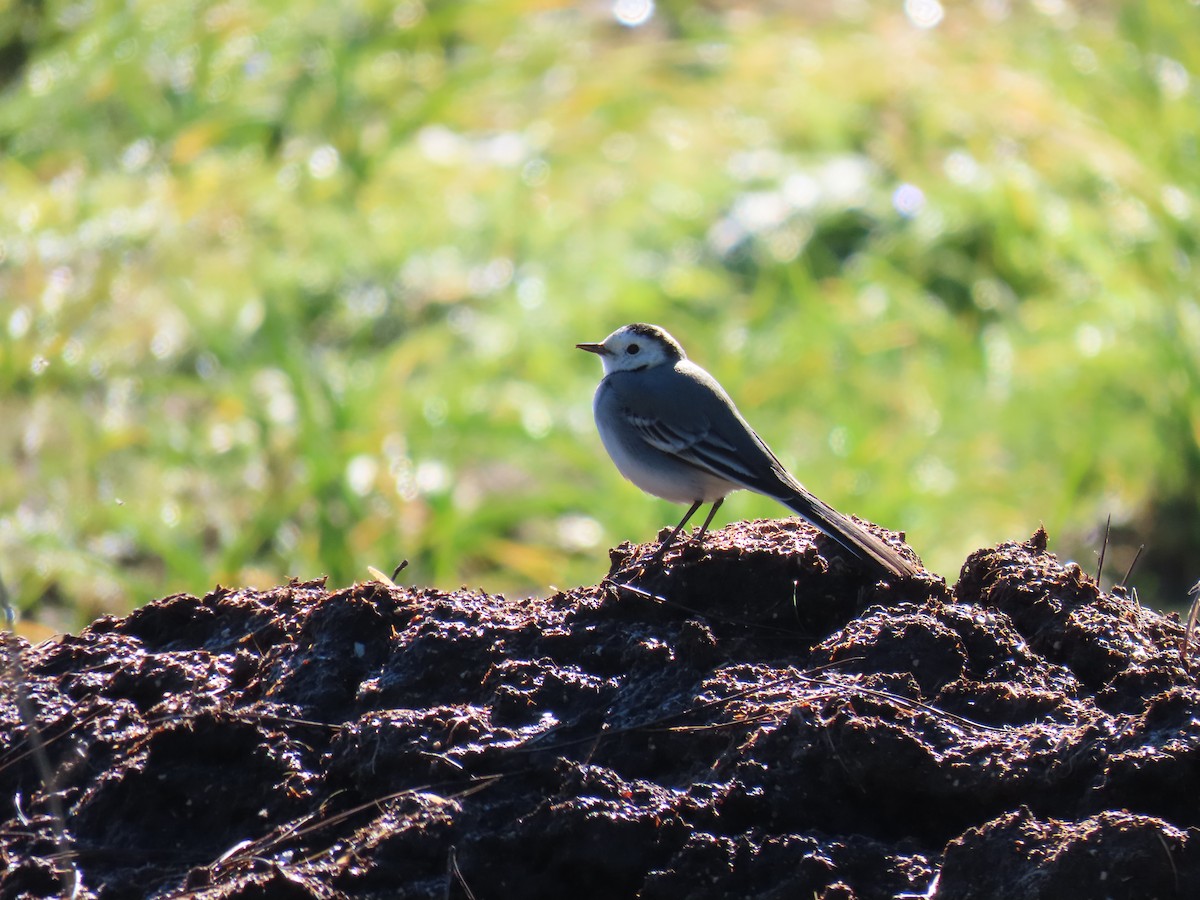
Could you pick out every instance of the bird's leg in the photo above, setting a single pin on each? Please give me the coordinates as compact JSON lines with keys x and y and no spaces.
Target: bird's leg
{"x":665,"y":545}
{"x":712,"y":512}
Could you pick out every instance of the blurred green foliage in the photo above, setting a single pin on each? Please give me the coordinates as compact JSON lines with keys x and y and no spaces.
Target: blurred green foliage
{"x":292,"y":288}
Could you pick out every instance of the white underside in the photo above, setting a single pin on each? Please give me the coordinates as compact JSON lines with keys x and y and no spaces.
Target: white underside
{"x":656,"y":473}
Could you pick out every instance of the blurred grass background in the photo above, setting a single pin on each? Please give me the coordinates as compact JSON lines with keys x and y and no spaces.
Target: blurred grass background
{"x":292,"y":288}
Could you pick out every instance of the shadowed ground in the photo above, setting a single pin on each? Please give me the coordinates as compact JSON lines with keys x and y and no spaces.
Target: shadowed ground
{"x":768,"y":725}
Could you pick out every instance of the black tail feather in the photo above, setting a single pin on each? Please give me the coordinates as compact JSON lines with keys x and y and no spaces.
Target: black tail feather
{"x":853,"y":538}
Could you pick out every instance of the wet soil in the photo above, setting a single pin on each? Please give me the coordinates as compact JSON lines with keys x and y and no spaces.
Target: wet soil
{"x":763,"y":721}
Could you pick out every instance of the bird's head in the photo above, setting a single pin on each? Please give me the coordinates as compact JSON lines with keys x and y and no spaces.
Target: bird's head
{"x":636,"y":346}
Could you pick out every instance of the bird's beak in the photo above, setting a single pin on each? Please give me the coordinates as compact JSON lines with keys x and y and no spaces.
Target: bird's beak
{"x":594,"y":348}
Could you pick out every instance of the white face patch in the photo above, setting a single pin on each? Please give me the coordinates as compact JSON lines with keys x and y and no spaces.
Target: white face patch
{"x":639,"y":346}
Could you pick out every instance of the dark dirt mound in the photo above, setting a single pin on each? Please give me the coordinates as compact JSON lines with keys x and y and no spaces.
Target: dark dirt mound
{"x":777,"y":726}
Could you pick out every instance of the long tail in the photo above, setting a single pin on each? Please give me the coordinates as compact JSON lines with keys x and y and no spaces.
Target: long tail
{"x":855,"y":539}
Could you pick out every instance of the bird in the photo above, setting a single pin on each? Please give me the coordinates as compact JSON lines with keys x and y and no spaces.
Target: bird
{"x":673,"y":431}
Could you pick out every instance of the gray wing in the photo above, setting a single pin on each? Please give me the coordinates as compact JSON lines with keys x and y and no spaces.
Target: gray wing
{"x":685,"y":413}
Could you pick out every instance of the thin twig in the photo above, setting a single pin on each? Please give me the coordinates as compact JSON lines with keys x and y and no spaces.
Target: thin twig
{"x":711,"y":616}
{"x":1191,"y":624}
{"x":1129,"y":571}
{"x":1170,"y":859}
{"x":452,"y":870}
{"x":1103,"y":547}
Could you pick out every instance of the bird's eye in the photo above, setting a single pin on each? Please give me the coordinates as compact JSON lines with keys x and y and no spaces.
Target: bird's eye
{"x":632,"y":349}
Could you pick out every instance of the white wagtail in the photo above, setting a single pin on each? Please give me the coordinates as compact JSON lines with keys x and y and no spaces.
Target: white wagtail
{"x":673,"y":431}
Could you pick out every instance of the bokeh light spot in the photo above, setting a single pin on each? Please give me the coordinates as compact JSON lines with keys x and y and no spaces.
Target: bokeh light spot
{"x":908,"y":199}
{"x":924,"y":13}
{"x":632,"y":13}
